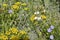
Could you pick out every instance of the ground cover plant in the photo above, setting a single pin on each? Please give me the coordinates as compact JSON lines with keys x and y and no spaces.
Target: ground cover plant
{"x":29,"y":20}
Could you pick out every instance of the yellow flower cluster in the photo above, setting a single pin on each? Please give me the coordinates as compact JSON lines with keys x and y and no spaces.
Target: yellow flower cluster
{"x":15,"y":7}
{"x":15,"y":34}
{"x":13,"y":30}
{"x":3,"y":37}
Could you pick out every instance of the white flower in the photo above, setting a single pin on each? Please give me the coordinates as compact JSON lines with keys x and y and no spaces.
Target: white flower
{"x":44,"y":11}
{"x":37,"y":18}
{"x":36,"y":12}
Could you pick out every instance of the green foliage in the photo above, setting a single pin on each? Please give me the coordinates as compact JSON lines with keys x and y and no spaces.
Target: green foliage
{"x":33,"y":16}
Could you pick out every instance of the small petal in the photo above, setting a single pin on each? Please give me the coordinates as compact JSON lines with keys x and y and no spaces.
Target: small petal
{"x":52,"y":27}
{"x":39,"y":18}
{"x":10,"y":11}
{"x":51,"y":37}
{"x":44,"y":11}
{"x":36,"y":12}
{"x":49,"y":30}
{"x":35,"y":18}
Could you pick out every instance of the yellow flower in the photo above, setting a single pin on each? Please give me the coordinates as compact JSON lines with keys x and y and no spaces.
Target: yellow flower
{"x":13,"y":37}
{"x":13,"y":30}
{"x":4,"y":5}
{"x":15,"y":7}
{"x":24,"y":4}
{"x":26,"y":9}
{"x":43,"y":16}
{"x":32,"y":18}
{"x":7,"y":32}
{"x":4,"y":37}
{"x":22,"y":32}
{"x":18,"y":3}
